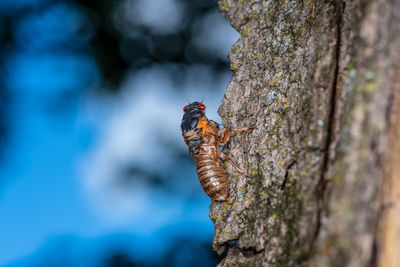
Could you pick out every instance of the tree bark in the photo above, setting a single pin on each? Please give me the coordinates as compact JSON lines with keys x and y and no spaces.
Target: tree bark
{"x":320,"y":81}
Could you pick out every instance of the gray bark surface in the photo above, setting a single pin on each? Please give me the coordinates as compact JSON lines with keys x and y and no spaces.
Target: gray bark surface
{"x":317,"y":79}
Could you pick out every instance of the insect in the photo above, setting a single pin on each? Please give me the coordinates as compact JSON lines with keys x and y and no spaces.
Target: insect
{"x":201,"y":136}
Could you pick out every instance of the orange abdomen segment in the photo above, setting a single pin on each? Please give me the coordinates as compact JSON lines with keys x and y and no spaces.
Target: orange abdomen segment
{"x":212,"y":178}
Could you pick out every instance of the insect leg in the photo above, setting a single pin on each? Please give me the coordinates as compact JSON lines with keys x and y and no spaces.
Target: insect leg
{"x":244,"y":129}
{"x":226,"y":133}
{"x":224,"y":136}
{"x":225,"y":157}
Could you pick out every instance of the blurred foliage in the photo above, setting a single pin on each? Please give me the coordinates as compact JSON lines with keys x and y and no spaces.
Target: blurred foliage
{"x":116,"y":49}
{"x":172,"y":179}
{"x":183,"y":252}
{"x":5,"y":39}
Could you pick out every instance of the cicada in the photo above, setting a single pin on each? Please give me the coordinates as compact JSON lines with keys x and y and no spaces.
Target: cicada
{"x":204,"y":141}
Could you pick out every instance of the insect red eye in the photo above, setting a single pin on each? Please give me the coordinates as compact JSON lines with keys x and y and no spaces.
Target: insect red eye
{"x":202,"y":106}
{"x":184,"y":108}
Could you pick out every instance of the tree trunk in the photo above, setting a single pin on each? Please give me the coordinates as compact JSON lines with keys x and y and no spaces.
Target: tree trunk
{"x":320,"y":81}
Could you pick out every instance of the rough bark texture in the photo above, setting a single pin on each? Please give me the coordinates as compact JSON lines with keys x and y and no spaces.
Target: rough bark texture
{"x":318,"y":80}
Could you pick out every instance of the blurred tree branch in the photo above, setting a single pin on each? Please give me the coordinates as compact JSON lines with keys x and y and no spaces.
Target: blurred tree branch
{"x":319,"y":79}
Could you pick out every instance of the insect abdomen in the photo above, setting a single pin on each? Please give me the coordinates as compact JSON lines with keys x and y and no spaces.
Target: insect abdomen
{"x":193,"y":140}
{"x":212,"y":177}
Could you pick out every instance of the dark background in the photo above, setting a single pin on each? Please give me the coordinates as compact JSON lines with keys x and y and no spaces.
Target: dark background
{"x":93,"y":168}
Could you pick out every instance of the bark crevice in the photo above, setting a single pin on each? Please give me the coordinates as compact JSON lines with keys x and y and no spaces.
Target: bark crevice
{"x":320,"y":191}
{"x":287,"y":174}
